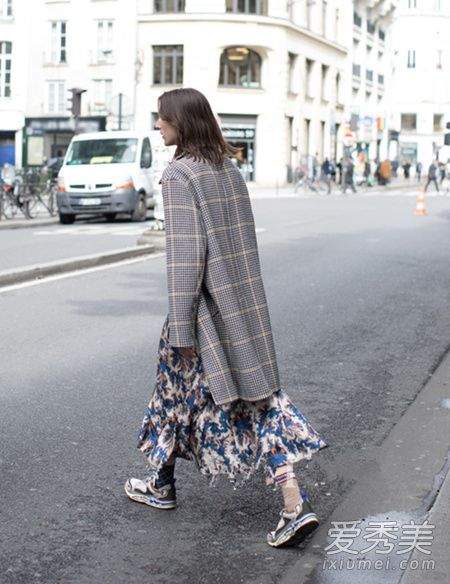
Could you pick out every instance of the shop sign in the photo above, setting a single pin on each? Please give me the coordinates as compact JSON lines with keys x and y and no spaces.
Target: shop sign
{"x":36,"y":127}
{"x":239,"y":133}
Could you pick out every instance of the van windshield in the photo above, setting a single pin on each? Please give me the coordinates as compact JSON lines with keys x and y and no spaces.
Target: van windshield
{"x":108,"y":151}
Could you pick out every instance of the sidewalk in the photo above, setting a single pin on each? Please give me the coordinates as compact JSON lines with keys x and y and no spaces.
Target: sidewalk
{"x":35,"y":272}
{"x":22,"y":223}
{"x":256,"y":192}
{"x":398,"y":183}
{"x":404,"y":481}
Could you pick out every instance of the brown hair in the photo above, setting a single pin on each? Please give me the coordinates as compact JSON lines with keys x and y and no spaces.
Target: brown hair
{"x":199,"y":134}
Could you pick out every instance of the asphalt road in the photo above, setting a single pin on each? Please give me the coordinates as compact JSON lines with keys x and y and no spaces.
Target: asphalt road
{"x":358,"y":291}
{"x":47,"y":243}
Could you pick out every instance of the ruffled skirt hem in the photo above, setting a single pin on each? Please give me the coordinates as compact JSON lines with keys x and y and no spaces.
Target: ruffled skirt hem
{"x":234,"y":439}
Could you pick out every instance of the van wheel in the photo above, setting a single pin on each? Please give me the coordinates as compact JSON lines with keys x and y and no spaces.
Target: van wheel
{"x":110,"y":216}
{"x":140,"y":211}
{"x":66,"y":219}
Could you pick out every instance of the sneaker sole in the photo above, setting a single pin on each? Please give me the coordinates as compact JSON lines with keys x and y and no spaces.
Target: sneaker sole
{"x":298,"y":532}
{"x":148,"y":500}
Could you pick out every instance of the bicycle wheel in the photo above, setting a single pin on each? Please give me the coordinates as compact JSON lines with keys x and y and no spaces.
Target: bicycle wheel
{"x":9,"y":209}
{"x":32,"y":207}
{"x":51,"y":201}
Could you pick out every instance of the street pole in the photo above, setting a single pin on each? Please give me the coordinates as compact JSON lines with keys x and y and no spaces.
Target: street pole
{"x":120,"y":110}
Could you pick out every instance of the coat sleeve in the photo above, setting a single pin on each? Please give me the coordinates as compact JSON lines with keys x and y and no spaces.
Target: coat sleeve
{"x":186,"y":244}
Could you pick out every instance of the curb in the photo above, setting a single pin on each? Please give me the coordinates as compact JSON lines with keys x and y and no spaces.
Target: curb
{"x":156,"y":237}
{"x":40,"y":271}
{"x":26,"y":223}
{"x":399,"y":480}
{"x":288,"y":191}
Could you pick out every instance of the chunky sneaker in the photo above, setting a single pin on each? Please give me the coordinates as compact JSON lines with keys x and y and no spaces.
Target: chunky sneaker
{"x":294,"y":526}
{"x":145,"y":492}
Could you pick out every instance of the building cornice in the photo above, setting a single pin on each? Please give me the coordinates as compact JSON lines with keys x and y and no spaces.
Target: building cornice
{"x":244,"y":19}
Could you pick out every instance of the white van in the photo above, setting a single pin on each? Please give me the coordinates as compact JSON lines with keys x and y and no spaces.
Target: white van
{"x":106,"y":173}
{"x":162,"y":155}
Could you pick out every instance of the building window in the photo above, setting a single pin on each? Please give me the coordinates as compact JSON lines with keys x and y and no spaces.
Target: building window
{"x":102,"y":94}
{"x":338,"y":88}
{"x":411,"y":59}
{"x":6,"y":10}
{"x":56,"y":97}
{"x":337,"y":25}
{"x":308,"y":14}
{"x":369,"y":76}
{"x":324,"y":85}
{"x":381,"y":35}
{"x":370,"y":27}
{"x":240,"y":67}
{"x":104,"y":40}
{"x":412,"y":3}
{"x":439,"y":59}
{"x":309,"y":65}
{"x":438,"y":120}
{"x":291,"y":73}
{"x":247,"y":6}
{"x":324,"y":17}
{"x":168,"y":64}
{"x":408,"y":122}
{"x":5,"y":68}
{"x":380,"y":79}
{"x":58,"y":42}
{"x":356,"y":70}
{"x":169,"y":6}
{"x":357,"y":20}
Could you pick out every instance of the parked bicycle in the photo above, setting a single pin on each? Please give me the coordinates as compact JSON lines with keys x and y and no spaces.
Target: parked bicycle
{"x":30,"y":191}
{"x":12,"y":198}
{"x":41,"y":189}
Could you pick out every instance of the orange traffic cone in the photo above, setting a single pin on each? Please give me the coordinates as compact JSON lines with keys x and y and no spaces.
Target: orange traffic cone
{"x":420,"y":205}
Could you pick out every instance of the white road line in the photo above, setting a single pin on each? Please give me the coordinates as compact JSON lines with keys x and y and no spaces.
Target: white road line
{"x":76,"y":273}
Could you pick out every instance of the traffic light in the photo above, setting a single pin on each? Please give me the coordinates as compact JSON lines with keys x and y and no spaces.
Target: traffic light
{"x":447,"y":135}
{"x":75,"y":101}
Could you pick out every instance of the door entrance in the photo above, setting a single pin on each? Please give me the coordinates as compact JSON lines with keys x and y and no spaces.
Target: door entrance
{"x":240,"y":132}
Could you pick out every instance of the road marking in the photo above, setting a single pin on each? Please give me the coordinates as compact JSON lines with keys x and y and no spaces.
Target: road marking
{"x":76,"y":273}
{"x":92,"y":230}
{"x":100,"y":230}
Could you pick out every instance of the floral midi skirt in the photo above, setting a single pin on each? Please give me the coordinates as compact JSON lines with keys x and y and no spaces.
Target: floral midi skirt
{"x":232,"y":439}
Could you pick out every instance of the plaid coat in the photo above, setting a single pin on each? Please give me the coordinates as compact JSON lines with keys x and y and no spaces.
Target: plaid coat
{"x":217,"y":301}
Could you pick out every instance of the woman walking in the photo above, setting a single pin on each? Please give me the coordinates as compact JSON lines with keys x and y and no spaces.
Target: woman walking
{"x":217,"y":398}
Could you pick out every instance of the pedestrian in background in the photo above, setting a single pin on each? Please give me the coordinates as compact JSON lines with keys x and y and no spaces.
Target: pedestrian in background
{"x":326,"y":174}
{"x":333,"y":171}
{"x":349,"y":170}
{"x":419,"y":171}
{"x":406,"y":169}
{"x":394,"y":167}
{"x":441,"y":168}
{"x":217,"y":399}
{"x":366,"y":173}
{"x":432,"y":176}
{"x":385,"y":172}
{"x":339,"y":169}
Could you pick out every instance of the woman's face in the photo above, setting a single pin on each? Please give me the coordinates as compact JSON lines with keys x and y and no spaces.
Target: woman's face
{"x":168,"y":132}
